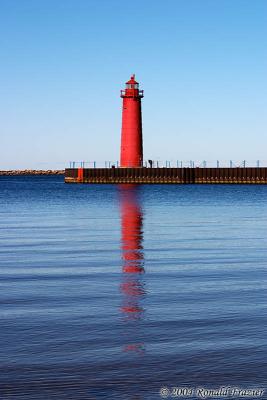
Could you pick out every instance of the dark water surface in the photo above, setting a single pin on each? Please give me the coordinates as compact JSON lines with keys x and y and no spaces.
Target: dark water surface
{"x":112,"y":292}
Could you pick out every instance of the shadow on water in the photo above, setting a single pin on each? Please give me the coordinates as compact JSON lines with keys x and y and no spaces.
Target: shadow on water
{"x":132,"y":286}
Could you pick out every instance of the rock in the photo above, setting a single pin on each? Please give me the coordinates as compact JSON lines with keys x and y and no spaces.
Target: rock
{"x":32,"y":172}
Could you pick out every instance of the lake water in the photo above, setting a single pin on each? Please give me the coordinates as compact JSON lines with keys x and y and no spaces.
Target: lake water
{"x":115,"y":291}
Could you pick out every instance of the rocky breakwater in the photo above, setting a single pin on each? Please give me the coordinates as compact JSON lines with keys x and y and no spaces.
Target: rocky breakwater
{"x":32,"y":172}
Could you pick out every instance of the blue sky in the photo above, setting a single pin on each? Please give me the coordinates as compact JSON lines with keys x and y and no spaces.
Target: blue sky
{"x":201,"y":63}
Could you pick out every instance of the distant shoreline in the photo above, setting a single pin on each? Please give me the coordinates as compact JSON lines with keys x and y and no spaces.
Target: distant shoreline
{"x":31,"y":172}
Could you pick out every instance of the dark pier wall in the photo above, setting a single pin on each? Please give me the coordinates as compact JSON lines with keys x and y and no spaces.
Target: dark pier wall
{"x":166,"y":175}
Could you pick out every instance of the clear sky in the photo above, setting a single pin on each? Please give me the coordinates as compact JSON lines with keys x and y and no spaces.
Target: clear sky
{"x":201,"y":63}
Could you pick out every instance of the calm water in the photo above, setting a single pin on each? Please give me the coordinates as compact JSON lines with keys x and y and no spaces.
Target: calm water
{"x":112,"y":292}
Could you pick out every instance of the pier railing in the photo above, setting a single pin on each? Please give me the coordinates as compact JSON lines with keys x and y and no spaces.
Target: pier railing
{"x":175,"y":164}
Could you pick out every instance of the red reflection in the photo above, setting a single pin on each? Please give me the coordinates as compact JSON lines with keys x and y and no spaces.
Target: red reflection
{"x":131,"y":229}
{"x":132,"y":286}
{"x":138,"y":348}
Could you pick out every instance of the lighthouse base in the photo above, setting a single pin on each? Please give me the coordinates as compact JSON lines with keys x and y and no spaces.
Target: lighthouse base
{"x":167,"y":175}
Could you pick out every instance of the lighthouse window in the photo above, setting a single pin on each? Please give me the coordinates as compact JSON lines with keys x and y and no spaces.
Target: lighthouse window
{"x":130,"y":86}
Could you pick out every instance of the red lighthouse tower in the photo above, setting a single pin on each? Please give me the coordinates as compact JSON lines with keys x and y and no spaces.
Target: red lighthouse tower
{"x":131,"y":132}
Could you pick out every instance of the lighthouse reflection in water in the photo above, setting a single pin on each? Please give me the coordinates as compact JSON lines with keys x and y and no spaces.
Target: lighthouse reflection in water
{"x":132,"y":286}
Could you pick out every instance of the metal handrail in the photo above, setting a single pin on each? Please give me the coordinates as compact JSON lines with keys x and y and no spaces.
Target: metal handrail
{"x":132,"y":93}
{"x":174,"y":164}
